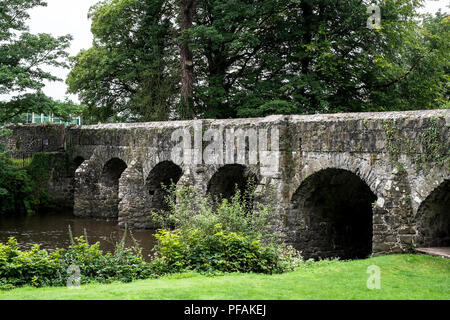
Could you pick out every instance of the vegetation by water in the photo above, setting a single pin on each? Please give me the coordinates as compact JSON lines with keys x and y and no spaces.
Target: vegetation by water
{"x":199,"y":235}
{"x":23,"y":184}
{"x":402,"y":277}
{"x":37,"y":267}
{"x":227,"y":235}
{"x":50,"y":229}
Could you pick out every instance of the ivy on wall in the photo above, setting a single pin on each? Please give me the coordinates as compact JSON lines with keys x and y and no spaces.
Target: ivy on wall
{"x":24,"y":189}
{"x":39,"y":171}
{"x":427,"y":148}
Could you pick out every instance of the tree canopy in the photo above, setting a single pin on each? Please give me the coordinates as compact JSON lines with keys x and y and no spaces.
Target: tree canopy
{"x":23,"y":60}
{"x":248,"y":58}
{"x":129,"y":73}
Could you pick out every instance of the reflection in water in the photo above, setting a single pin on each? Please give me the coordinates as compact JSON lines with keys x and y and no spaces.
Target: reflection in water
{"x":51,"y":230}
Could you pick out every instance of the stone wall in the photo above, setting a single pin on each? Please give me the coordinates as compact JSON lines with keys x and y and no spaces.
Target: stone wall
{"x":401,"y":157}
{"x":29,"y":139}
{"x":346,"y":184}
{"x":60,"y":185}
{"x":147,"y":149}
{"x":26,"y":140}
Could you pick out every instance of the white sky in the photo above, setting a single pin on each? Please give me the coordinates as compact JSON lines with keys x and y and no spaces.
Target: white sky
{"x":62,"y":17}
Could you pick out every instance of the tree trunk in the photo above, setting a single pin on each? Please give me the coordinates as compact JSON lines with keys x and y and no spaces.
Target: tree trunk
{"x":187,"y":10}
{"x":305,"y":62}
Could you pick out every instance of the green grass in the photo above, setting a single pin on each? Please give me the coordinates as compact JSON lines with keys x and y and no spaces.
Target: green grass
{"x":402,"y":277}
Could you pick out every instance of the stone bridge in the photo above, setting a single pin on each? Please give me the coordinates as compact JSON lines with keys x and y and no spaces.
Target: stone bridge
{"x":346,"y":185}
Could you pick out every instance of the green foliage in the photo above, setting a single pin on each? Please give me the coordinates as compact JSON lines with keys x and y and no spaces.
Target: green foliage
{"x":256,"y":58}
{"x":221,"y":251}
{"x":318,"y":56}
{"x":224,"y":236}
{"x":20,"y":163}
{"x":23,"y":182}
{"x":39,"y":171}
{"x":128,"y":74}
{"x":188,"y":210}
{"x":16,"y":189}
{"x":67,"y":109}
{"x":322,"y":280}
{"x":125,"y":264}
{"x":13,"y":110}
{"x":428,"y":147}
{"x":435,"y":149}
{"x":22,"y":58}
{"x":23,"y":189}
{"x":392,"y":146}
{"x":36,"y":267}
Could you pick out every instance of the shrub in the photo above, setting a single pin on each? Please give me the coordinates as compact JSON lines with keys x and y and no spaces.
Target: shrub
{"x":222,"y":251}
{"x":232,"y":235}
{"x":188,"y":210}
{"x":23,"y":190}
{"x":39,"y":170}
{"x":35,"y":267}
{"x":125,"y":264}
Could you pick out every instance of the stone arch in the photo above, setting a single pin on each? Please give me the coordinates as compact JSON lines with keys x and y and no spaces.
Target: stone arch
{"x":375,"y":177}
{"x":433,"y":218}
{"x":331,"y":215}
{"x":224,"y":181}
{"x":111,"y":172}
{"x":160,"y":177}
{"x":423,"y":185}
{"x":109,"y":186}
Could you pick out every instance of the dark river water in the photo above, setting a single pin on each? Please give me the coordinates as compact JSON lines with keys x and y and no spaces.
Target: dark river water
{"x":51,"y":230}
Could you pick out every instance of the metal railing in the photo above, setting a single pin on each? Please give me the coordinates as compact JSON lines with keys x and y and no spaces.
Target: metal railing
{"x":48,"y":118}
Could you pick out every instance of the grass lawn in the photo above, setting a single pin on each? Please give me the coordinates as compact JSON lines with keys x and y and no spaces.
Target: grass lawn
{"x":402,"y":277}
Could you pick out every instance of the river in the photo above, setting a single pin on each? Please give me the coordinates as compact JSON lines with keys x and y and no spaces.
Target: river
{"x":51,"y":230}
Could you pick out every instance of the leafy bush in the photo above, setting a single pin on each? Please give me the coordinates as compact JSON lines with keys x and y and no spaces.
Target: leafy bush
{"x":188,"y":211}
{"x":222,"y":251}
{"x":37,"y":267}
{"x":23,"y":187}
{"x":39,"y":171}
{"x":125,"y":264}
{"x":233,"y":235}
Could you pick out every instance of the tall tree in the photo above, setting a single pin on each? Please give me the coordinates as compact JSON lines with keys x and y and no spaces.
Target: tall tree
{"x":131,"y":72}
{"x":187,"y":10}
{"x":276,"y":56}
{"x":22,"y":58}
{"x":247,"y":58}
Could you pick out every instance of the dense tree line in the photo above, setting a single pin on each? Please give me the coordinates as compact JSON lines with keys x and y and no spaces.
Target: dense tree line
{"x":184,"y":59}
{"x":166,"y":59}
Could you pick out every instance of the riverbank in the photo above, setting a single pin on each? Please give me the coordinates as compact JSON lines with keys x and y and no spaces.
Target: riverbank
{"x":402,"y":277}
{"x":51,"y":230}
